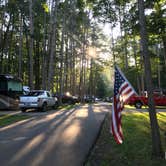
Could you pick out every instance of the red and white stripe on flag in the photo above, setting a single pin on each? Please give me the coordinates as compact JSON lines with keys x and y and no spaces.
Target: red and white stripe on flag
{"x":122,"y":93}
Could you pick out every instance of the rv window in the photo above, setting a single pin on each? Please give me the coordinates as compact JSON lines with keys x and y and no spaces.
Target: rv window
{"x":3,"y":85}
{"x":14,"y":86}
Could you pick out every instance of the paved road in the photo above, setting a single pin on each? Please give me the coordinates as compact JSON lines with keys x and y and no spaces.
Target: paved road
{"x":55,"y":138}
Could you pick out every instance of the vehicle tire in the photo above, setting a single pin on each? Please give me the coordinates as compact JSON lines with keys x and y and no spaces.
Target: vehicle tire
{"x":44,"y":107}
{"x":138,"y":105}
{"x":23,"y":110}
{"x":55,"y":106}
{"x":70,"y":102}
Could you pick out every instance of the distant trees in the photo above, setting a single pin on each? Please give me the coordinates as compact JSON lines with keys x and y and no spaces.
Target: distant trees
{"x":126,"y":47}
{"x":46,"y":42}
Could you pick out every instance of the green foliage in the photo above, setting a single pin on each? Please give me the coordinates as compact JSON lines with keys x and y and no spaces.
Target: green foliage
{"x":73,"y":17}
{"x":9,"y":119}
{"x":104,"y":11}
{"x":45,"y":7}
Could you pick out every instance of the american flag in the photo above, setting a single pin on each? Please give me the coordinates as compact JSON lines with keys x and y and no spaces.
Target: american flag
{"x":122,"y":92}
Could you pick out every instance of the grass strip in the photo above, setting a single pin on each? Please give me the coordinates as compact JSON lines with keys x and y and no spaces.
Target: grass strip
{"x":137,"y":146}
{"x":9,"y":119}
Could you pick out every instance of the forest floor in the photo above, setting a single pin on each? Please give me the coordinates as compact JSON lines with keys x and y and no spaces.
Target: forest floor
{"x":136,"y":148}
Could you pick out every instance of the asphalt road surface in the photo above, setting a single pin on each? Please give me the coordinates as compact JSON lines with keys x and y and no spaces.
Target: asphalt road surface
{"x":54,"y":138}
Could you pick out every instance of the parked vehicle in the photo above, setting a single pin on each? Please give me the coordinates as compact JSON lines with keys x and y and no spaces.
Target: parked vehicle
{"x":10,"y":90}
{"x":26,"y":90}
{"x":68,"y":99}
{"x":139,"y":101}
{"x":108,"y":99}
{"x":37,"y":99}
{"x":89,"y":99}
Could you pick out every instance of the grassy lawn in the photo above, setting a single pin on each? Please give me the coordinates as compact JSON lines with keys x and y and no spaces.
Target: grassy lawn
{"x":9,"y":119}
{"x":137,"y":146}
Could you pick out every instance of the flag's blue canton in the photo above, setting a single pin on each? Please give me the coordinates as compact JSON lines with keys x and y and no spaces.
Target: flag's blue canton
{"x":119,"y":80}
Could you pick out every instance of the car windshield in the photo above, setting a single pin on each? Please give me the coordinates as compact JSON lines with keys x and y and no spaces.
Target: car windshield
{"x":35,"y":93}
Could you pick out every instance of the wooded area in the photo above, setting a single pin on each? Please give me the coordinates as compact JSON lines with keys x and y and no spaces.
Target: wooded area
{"x":60,"y":45}
{"x":46,"y":43}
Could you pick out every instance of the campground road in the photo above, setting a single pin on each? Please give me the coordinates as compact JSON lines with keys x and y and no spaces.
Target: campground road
{"x":55,"y":138}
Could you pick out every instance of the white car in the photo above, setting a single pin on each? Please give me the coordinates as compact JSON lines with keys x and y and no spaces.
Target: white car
{"x":37,"y":99}
{"x":26,"y":90}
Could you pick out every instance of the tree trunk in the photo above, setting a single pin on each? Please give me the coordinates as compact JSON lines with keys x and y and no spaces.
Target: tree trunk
{"x":3,"y":43}
{"x":31,"y":45}
{"x":10,"y":59}
{"x":51,"y":60}
{"x":20,"y":47}
{"x":112,"y":44}
{"x":61,"y":78}
{"x":164,"y":44}
{"x":66,"y":65}
{"x":53,"y":47}
{"x":37,"y":65}
{"x":156,"y":142}
{"x":44,"y":57}
{"x":125,"y":51}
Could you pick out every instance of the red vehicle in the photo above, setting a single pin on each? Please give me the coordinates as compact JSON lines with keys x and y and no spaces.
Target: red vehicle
{"x":139,"y":101}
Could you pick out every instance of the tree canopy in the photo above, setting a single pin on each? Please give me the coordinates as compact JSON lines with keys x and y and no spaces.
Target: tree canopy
{"x":46,"y":43}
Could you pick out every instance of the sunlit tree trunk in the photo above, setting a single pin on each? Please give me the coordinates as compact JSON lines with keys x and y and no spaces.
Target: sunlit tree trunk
{"x":53,"y":47}
{"x":2,"y":35}
{"x":136,"y":64}
{"x":73,"y":69}
{"x":82,"y":66}
{"x":66,"y":65}
{"x":4,"y":42}
{"x":112,"y":45}
{"x":158,"y":66}
{"x":61,"y":76}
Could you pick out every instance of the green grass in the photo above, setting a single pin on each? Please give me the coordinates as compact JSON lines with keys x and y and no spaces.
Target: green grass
{"x":9,"y":119}
{"x":67,"y":106}
{"x":136,"y":149}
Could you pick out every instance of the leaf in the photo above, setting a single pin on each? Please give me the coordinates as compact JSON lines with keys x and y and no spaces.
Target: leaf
{"x":45,"y":7}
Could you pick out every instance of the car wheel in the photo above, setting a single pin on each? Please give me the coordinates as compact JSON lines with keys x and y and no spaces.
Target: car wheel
{"x":44,"y":107}
{"x":138,"y":104}
{"x":23,"y":110}
{"x":69,"y":102}
{"x":55,"y":106}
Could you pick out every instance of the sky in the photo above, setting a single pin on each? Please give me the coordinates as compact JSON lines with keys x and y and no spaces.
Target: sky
{"x":107,"y":30}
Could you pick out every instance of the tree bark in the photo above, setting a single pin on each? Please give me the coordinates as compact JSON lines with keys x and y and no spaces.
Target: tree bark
{"x":44,"y":57}
{"x":156,"y":142}
{"x":61,"y":78}
{"x":20,"y":47}
{"x":31,"y":45}
{"x":53,"y":46}
{"x":164,"y":44}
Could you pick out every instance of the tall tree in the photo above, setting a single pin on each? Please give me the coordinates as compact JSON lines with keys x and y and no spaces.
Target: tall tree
{"x":53,"y":44}
{"x":156,"y":142}
{"x":31,"y":44}
{"x":20,"y":46}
